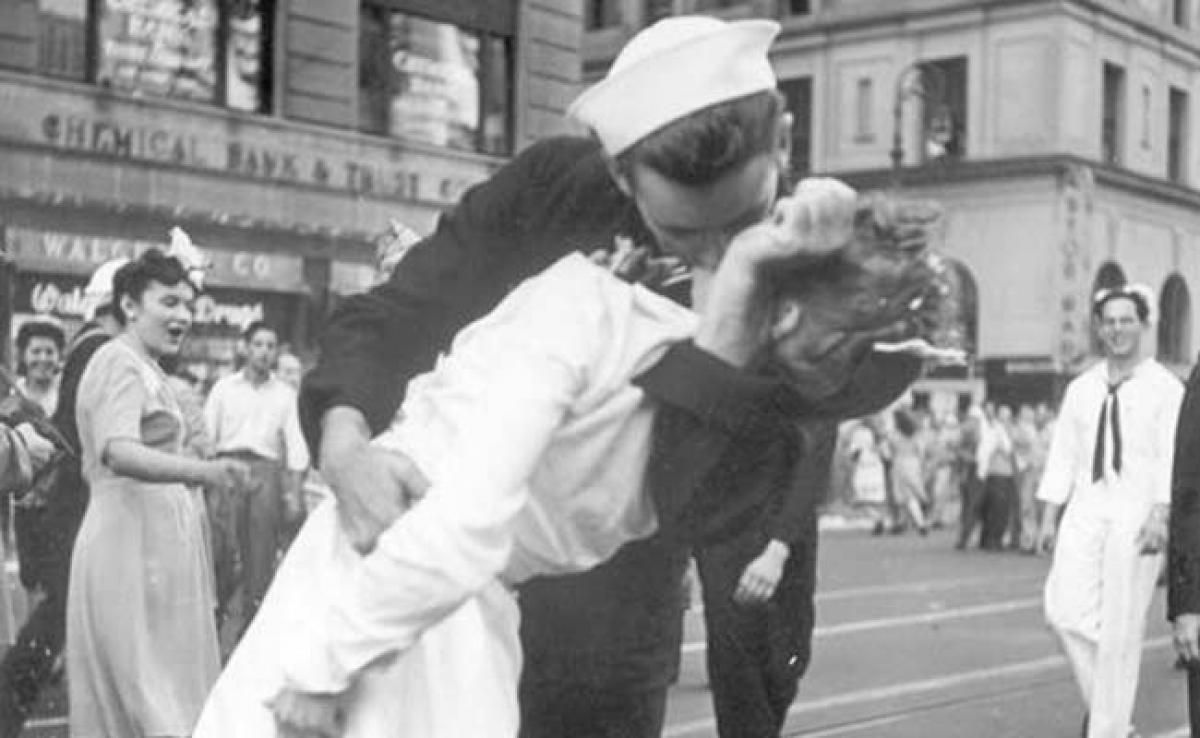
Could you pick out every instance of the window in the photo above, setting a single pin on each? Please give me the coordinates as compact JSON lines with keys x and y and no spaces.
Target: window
{"x":797,"y":94}
{"x":601,"y":14}
{"x":434,"y":81}
{"x":1174,"y":322}
{"x":1177,"y":143}
{"x":1147,"y":99}
{"x":1179,"y":13}
{"x":1112,"y":114}
{"x":944,"y":112}
{"x":62,"y":38}
{"x":799,"y":7}
{"x":863,"y":97}
{"x":213,"y":51}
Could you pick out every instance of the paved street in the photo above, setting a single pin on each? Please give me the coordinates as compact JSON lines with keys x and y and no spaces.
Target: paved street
{"x":916,"y":640}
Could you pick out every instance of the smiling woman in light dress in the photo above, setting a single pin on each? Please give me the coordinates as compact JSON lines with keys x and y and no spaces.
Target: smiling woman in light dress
{"x":141,"y":640}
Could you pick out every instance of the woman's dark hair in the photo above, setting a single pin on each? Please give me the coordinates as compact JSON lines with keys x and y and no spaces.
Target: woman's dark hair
{"x":133,"y":278}
{"x":37,"y":329}
{"x":703,"y":147}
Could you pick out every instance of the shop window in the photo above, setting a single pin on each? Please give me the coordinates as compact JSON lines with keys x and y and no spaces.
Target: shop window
{"x":212,"y":51}
{"x":944,"y":113}
{"x":1112,"y":115}
{"x":1174,"y":322}
{"x":435,"y":82}
{"x":797,"y":94}
{"x":1177,"y":138}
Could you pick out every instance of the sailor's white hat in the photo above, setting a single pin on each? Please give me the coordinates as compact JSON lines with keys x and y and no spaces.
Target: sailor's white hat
{"x":676,"y":67}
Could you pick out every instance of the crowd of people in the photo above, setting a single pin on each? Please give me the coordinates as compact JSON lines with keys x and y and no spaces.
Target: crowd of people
{"x":978,"y":470}
{"x":619,"y":353}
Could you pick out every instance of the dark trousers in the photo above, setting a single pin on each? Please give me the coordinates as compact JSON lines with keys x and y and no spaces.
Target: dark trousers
{"x":559,"y":710}
{"x":970,"y":490}
{"x":27,"y":666}
{"x":255,"y":517}
{"x":756,"y":654}
{"x":998,"y":494}
{"x":1193,"y":689}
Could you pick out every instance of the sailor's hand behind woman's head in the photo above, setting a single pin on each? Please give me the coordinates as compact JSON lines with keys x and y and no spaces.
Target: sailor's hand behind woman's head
{"x":817,"y":219}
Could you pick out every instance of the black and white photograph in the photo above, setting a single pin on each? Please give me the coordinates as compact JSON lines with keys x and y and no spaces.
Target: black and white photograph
{"x":599,"y":369}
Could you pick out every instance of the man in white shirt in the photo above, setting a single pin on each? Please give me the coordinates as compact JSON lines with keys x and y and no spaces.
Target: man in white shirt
{"x":251,"y":415}
{"x":1110,"y":466}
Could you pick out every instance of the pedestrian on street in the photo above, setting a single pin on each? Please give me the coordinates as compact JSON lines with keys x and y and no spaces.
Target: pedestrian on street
{"x":1109,"y":465}
{"x":601,"y":647}
{"x":1183,"y":557}
{"x":251,"y":416}
{"x":23,"y":454}
{"x":868,"y":479}
{"x":141,"y":656}
{"x":908,"y":472}
{"x":758,"y":581}
{"x":29,"y":665}
{"x":996,"y":468}
{"x":970,"y":484}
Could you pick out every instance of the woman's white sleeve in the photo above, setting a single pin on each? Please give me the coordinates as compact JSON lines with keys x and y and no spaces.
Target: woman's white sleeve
{"x":459,"y":537}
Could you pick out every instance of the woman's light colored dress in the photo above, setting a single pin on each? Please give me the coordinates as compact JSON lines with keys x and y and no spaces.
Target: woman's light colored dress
{"x":141,"y":637}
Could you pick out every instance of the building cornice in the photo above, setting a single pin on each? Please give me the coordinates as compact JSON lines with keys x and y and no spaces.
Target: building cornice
{"x":1027,"y":167}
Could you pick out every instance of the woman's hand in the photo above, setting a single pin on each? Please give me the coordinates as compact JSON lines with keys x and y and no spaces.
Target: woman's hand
{"x":226,"y":475}
{"x":302,"y":715}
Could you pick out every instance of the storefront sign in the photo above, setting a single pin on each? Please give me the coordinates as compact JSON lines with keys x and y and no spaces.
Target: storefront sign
{"x":72,"y":253}
{"x":293,"y":165}
{"x":63,"y":297}
{"x":346,"y":278}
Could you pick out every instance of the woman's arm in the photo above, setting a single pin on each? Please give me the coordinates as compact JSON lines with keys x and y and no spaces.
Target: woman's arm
{"x":131,"y":458}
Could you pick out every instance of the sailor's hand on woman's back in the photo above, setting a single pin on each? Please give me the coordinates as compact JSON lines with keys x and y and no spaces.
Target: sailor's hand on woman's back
{"x":373,"y":486}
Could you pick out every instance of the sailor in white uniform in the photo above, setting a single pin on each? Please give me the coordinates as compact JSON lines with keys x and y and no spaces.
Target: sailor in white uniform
{"x":1110,"y":466}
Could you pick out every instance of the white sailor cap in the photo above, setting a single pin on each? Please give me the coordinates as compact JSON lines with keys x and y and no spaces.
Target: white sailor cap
{"x":672,"y":69}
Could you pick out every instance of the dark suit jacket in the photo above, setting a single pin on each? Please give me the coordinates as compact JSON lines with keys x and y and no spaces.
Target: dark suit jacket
{"x":1183,"y":551}
{"x":554,"y":198}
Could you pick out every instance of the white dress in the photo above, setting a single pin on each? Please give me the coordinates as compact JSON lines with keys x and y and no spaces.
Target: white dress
{"x":535,"y":442}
